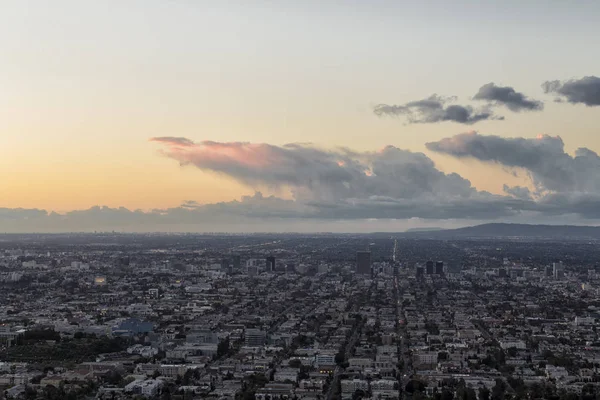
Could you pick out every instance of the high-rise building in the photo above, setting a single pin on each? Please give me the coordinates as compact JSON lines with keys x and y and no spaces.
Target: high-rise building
{"x":420,"y":271}
{"x":502,"y":272}
{"x":236,"y":261}
{"x":255,"y":337}
{"x":515,"y":273}
{"x":363,"y":262}
{"x":429,"y":267}
{"x":225,"y":265}
{"x":558,"y":270}
{"x":439,"y":268}
{"x":270,"y":262}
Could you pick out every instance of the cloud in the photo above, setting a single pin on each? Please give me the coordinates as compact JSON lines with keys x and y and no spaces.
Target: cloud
{"x":519,"y":192}
{"x":318,"y":174}
{"x":326,"y":186}
{"x":345,"y":184}
{"x":585,"y":90}
{"x":507,"y":96}
{"x":435,"y":109}
{"x":544,"y":157}
{"x":173,"y":141}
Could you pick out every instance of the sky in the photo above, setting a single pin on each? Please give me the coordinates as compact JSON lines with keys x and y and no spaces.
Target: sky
{"x":181,"y":115}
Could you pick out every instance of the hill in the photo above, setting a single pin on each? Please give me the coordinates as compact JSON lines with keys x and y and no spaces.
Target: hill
{"x":497,"y":230}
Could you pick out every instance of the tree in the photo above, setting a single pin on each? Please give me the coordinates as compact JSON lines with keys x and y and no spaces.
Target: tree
{"x":498,"y":390}
{"x":484,"y":393}
{"x":447,"y":394}
{"x":358,"y":394}
{"x":113,"y":378}
{"x":471,"y":394}
{"x":223,"y":348}
{"x":414,"y":386}
{"x":339,"y":357}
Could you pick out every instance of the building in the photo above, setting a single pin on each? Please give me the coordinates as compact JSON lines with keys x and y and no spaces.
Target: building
{"x":255,"y":338}
{"x":225,"y":265}
{"x":429,"y":267}
{"x":439,"y":268}
{"x":558,"y":270}
{"x":363,"y":262}
{"x":237,"y":262}
{"x":427,"y":358}
{"x":324,"y":359}
{"x":420,"y":271}
{"x":350,"y":386}
{"x":147,"y":388}
{"x":517,"y":344}
{"x":132,"y":327}
{"x":270,"y":262}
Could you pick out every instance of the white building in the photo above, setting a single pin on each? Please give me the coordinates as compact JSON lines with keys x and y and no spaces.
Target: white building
{"x":517,"y":344}
{"x":146,"y":388}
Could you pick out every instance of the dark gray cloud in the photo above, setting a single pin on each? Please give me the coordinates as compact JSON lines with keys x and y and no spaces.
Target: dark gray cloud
{"x":507,"y":96}
{"x":314,"y":174}
{"x":518,"y":192}
{"x":544,"y":158}
{"x":583,"y":91}
{"x":435,"y":109}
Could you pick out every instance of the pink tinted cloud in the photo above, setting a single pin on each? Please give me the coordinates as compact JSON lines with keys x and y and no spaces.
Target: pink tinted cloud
{"x":209,"y":154}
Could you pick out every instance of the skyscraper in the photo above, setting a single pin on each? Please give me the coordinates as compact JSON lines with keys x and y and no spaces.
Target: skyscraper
{"x":237,"y":262}
{"x":363,"y":262}
{"x":419,"y":272}
{"x":270,"y":264}
{"x":558,"y":270}
{"x":439,"y":268}
{"x":429,"y":267}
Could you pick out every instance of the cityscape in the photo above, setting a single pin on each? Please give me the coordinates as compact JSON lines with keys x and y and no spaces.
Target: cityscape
{"x":299,"y":200}
{"x":290,"y":316}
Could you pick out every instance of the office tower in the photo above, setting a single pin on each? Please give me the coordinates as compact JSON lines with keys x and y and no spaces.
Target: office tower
{"x":516,"y":273}
{"x":363,"y":262}
{"x":225,"y":265}
{"x":439,"y":268}
{"x":255,"y":338}
{"x":549,"y":271}
{"x":502,"y":272}
{"x":237,"y":262}
{"x":420,"y":271}
{"x":270,"y":264}
{"x":429,"y":267}
{"x":558,"y":270}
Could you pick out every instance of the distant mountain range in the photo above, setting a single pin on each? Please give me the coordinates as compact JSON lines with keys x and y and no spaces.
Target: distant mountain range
{"x":424,"y":230}
{"x":497,"y":230}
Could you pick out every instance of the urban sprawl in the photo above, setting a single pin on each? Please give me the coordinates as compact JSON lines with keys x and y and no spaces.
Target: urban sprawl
{"x":317,"y":317}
